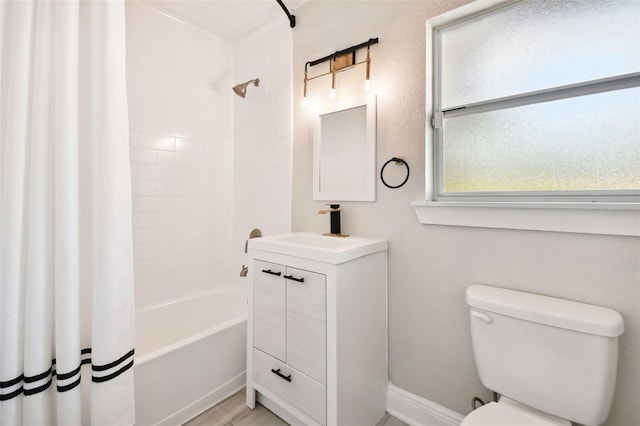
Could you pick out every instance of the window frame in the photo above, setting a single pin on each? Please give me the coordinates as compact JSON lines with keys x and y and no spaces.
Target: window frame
{"x":521,"y":99}
{"x":611,"y":214}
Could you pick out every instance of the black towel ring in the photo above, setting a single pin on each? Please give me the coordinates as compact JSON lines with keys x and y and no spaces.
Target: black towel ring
{"x":397,"y":161}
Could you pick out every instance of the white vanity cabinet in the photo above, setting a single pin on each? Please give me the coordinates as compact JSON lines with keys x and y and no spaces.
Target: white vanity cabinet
{"x":317,"y":328}
{"x":289,"y":317}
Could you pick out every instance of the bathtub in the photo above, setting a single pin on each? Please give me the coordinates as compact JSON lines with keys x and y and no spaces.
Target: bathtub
{"x":190,"y":354}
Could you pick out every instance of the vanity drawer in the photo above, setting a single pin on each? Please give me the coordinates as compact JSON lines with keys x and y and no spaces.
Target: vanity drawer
{"x":302,"y":392}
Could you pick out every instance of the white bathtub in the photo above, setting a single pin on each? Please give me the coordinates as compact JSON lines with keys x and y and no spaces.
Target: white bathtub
{"x":190,"y":354}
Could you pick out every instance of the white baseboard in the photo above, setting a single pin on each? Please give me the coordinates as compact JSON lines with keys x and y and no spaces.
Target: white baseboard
{"x":410,"y":408}
{"x":417,"y":411}
{"x":209,"y":400}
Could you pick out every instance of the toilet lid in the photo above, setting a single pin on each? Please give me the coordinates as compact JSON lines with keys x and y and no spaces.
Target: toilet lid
{"x":509,"y":414}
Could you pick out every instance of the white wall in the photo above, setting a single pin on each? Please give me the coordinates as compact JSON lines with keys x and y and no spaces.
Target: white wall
{"x":262,"y":137}
{"x":178,"y":81}
{"x":431,"y":266}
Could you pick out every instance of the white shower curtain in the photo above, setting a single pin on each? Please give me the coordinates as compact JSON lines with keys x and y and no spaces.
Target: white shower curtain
{"x":66,"y":262}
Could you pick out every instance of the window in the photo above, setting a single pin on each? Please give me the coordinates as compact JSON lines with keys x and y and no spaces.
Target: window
{"x":535,"y":107}
{"x":538,"y":101}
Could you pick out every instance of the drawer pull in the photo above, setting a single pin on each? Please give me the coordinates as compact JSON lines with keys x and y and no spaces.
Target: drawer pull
{"x":291,"y":277}
{"x":269,"y":271}
{"x":279,"y":374}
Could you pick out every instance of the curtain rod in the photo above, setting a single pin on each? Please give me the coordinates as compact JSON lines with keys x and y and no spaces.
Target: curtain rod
{"x":292,"y":18}
{"x":344,"y":52}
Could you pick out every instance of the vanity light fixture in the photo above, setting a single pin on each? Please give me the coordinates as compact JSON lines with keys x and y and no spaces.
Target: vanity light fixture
{"x":340,"y":61}
{"x":305,"y":102}
{"x":332,"y":93}
{"x":367,"y":81}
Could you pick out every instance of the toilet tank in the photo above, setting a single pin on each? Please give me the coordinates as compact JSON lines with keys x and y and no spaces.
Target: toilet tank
{"x":555,"y":355}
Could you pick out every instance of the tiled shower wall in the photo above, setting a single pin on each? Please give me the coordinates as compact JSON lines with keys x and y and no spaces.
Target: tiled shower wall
{"x":179,"y":80}
{"x":262,"y":137}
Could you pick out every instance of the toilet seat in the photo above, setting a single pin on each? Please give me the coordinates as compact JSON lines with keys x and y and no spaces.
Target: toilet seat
{"x":510,"y":413}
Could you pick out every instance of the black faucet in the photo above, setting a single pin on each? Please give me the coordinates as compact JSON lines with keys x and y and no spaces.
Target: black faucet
{"x":335,"y":210}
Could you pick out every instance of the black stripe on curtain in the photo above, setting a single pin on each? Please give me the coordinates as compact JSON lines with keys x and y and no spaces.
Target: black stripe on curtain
{"x":85,"y":354}
{"x":11,"y":382}
{"x":112,"y":364}
{"x":6,"y":396}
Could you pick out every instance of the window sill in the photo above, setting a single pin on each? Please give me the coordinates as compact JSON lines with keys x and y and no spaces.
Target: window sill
{"x":582,"y":218}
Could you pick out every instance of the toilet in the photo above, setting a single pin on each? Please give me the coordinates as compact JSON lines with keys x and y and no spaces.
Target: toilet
{"x":553,"y":361}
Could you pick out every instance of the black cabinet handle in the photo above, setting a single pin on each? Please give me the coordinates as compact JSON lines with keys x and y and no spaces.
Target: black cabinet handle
{"x":291,"y":277}
{"x":269,"y":271}
{"x":279,"y":374}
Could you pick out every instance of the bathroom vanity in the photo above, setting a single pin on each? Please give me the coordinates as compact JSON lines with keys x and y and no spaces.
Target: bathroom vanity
{"x":317,"y":328}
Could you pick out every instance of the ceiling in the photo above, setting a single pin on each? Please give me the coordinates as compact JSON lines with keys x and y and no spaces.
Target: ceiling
{"x":231,"y":19}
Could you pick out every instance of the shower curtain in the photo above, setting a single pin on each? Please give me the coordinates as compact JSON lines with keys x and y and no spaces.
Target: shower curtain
{"x":66,"y":261}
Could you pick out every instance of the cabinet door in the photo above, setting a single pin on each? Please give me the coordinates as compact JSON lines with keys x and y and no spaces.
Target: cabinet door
{"x":269,"y":309}
{"x":306,"y":322}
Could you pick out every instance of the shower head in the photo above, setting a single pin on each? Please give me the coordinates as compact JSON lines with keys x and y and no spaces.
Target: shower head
{"x":241,"y":89}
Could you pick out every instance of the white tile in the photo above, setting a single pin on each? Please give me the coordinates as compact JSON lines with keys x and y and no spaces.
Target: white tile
{"x":191,"y":146}
{"x":152,"y":251}
{"x":143,"y":187}
{"x":142,"y":156}
{"x":184,"y":274}
{"x":183,"y":135}
{"x":183,"y":188}
{"x":170,"y":218}
{"x":159,"y":267}
{"x":160,"y":235}
{"x":169,"y":173}
{"x":151,"y":204}
{"x":202,"y":204}
{"x":168,"y":204}
{"x":154,"y":235}
{"x":163,"y":288}
{"x":173,"y":248}
{"x":283,"y":145}
{"x":275,"y":159}
{"x":177,"y":159}
{"x":222,"y":191}
{"x":153,"y":141}
{"x":144,"y":172}
{"x":223,"y":215}
{"x":143,"y":220}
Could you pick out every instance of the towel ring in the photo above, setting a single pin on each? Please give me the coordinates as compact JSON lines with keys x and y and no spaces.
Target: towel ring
{"x":397,"y":161}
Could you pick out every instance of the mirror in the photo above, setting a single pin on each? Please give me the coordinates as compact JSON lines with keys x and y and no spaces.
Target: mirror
{"x":344,"y":152}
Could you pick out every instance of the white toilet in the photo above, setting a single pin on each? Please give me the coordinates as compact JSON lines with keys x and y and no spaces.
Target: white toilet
{"x":553,"y":361}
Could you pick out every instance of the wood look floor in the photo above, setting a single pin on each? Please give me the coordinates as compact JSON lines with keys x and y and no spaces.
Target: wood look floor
{"x":233,"y":412}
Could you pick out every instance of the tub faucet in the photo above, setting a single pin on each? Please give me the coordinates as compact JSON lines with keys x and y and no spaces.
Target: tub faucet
{"x":255,"y":233}
{"x":335,"y":210}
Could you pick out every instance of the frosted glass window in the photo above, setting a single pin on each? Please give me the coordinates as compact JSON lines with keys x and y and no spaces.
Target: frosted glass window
{"x":537,"y":100}
{"x":536,"y":45}
{"x":578,"y":144}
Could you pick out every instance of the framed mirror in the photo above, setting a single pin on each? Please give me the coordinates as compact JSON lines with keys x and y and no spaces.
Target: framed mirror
{"x":344,"y":152}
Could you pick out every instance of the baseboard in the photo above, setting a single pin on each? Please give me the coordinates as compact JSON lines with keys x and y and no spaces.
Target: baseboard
{"x":209,"y":400}
{"x":417,"y":411}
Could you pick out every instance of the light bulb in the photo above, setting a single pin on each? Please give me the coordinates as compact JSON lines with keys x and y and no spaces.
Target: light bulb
{"x":332,"y":93}
{"x":367,"y":85}
{"x":305,"y":101}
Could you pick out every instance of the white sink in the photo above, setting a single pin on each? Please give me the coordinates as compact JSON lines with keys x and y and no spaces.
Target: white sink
{"x":319,"y":247}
